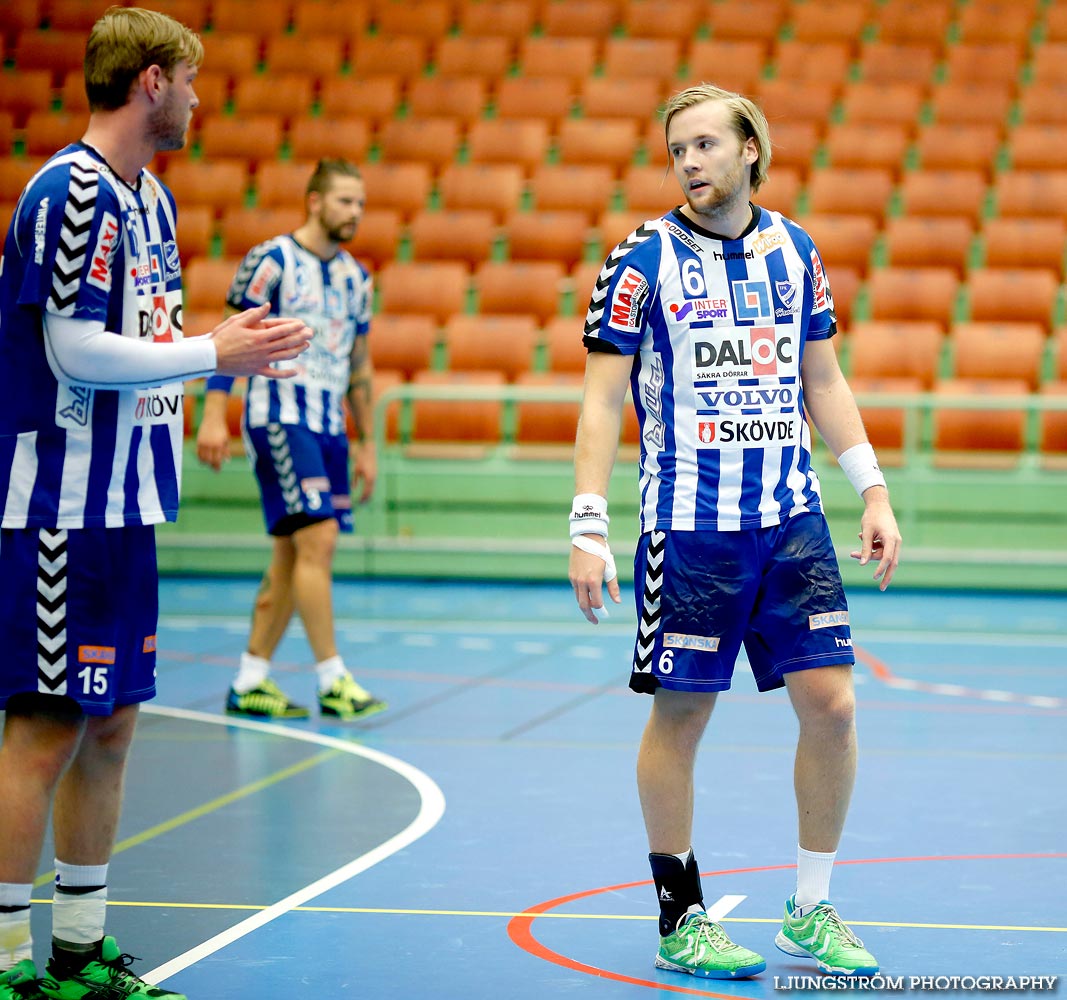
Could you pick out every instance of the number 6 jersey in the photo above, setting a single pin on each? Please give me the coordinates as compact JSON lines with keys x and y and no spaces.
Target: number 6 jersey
{"x":717,"y":329}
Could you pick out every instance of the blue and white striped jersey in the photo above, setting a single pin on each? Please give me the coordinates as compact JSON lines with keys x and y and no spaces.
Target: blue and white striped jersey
{"x":85,"y":244}
{"x":717,"y":329}
{"x":333,"y":297}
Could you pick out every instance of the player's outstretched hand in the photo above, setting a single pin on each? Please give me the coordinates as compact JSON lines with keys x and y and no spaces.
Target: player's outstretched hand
{"x":879,"y":541}
{"x":249,"y":342}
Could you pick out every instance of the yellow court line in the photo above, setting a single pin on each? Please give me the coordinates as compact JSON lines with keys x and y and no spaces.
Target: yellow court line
{"x":509,"y":915}
{"x":208,"y":807}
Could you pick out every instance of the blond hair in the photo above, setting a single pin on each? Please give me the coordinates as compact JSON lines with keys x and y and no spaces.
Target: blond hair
{"x":127,"y":40}
{"x":747,"y":119}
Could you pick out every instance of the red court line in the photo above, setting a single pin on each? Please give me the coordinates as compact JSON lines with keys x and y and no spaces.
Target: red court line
{"x":520,"y":928}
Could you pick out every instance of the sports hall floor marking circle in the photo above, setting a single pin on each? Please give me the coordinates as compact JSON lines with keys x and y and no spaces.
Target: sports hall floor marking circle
{"x":431,"y":809}
{"x":520,"y":928}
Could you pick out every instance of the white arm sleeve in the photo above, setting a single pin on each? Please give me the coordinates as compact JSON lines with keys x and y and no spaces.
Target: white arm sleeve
{"x":82,"y":352}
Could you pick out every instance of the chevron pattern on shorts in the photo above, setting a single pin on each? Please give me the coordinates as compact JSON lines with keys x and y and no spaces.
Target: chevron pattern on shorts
{"x":649,"y":624}
{"x":283,"y":466}
{"x":603,"y":279}
{"x":52,"y":611}
{"x":73,"y":239}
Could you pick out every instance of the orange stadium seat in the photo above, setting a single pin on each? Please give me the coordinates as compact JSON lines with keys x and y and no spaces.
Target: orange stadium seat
{"x":287,"y":95}
{"x":403,"y":343}
{"x":335,"y":18}
{"x":890,"y":62}
{"x":819,"y":20}
{"x":990,"y":22}
{"x":26,"y":91}
{"x":735,"y":64}
{"x":548,"y":422}
{"x":563,"y":340}
{"x":1059,"y":353}
{"x":1049,"y":64}
{"x":484,"y":56}
{"x":72,"y":96}
{"x":47,"y":131}
{"x":515,"y":140}
{"x":430,"y":19}
{"x":206,"y":283}
{"x":55,"y":51}
{"x":867,"y":144}
{"x":1031,"y":192}
{"x":614,"y":227}
{"x":1038,"y":147}
{"x":656,"y":58}
{"x":7,"y":132}
{"x":1024,"y":242}
{"x":1056,"y":24}
{"x":236,"y":55}
{"x":329,"y":138}
{"x":984,"y":62}
{"x":249,"y":137}
{"x":1044,"y":103}
{"x":971,"y":103}
{"x":196,"y":231}
{"x":1053,"y":434}
{"x":270,"y":17}
{"x":943,"y":192}
{"x":780,"y":191}
{"x":742,"y":19}
{"x":491,"y":343}
{"x":219,"y":184}
{"x":588,"y":18}
{"x":212,"y":90}
{"x":15,"y":174}
{"x":559,"y":236}
{"x":373,"y":98}
{"x":844,"y":240}
{"x":530,"y":287}
{"x":598,"y":140}
{"x":244,"y":228}
{"x":913,"y":293}
{"x":890,"y":102}
{"x":377,"y":237}
{"x":907,"y":23}
{"x":466,"y":235}
{"x":586,"y":188}
{"x":461,"y":97}
{"x":403,"y":187}
{"x":494,"y":187}
{"x":903,"y":349}
{"x":661,"y":18}
{"x":650,"y":189}
{"x":998,"y":351}
{"x":386,"y":54}
{"x":845,"y":285}
{"x":21,"y":16}
{"x":885,"y":425}
{"x":434,"y":141}
{"x":282,"y":183}
{"x":794,"y":144}
{"x":951,"y":146}
{"x":960,"y":430}
{"x":73,"y":15}
{"x":572,"y":58}
{"x":546,"y":97}
{"x":824,"y":62}
{"x":929,"y":241}
{"x":846,"y":191}
{"x":433,"y":288}
{"x":511,"y":19}
{"x":317,"y":57}
{"x":1012,"y":294}
{"x":462,"y":419}
{"x":629,"y":98}
{"x":795,"y":101}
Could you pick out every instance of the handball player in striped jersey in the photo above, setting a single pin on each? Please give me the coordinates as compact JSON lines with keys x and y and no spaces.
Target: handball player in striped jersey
{"x":92,"y":360}
{"x":718,"y":317}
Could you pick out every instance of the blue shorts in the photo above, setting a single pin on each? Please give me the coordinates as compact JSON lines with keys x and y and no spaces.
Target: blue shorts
{"x":302,"y":475}
{"x":701,"y":594}
{"x":79,"y":609}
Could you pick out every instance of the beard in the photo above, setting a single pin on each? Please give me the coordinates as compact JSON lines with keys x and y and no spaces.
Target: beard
{"x":719,"y":196}
{"x":339,"y":234}
{"x":167,"y":127}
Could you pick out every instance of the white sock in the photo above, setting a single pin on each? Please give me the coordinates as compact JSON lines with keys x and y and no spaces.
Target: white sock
{"x":76,"y":876}
{"x":252,"y":671}
{"x":684,"y":856}
{"x":79,"y":920}
{"x":813,"y":877}
{"x":329,"y":671}
{"x":16,"y":943}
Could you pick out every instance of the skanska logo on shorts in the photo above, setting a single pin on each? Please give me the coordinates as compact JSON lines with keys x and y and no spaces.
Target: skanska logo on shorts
{"x":680,"y":640}
{"x":827,"y":619}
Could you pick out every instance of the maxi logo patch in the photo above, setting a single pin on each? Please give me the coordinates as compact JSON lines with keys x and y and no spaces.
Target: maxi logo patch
{"x":627,"y":299}
{"x":752,"y":300}
{"x":100,"y":263}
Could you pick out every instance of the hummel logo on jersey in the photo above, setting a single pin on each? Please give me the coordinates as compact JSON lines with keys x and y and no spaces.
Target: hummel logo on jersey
{"x":665,"y":896}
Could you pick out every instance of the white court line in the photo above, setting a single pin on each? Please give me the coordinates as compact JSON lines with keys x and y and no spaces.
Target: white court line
{"x":723,"y":905}
{"x":431,"y":809}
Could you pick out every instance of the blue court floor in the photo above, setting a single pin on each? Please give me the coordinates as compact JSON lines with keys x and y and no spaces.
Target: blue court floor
{"x":481,"y":840}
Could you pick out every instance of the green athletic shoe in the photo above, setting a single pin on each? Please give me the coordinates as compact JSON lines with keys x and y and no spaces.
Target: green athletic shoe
{"x":347,"y":700}
{"x":20,"y":983}
{"x":108,"y":978}
{"x":701,"y":947}
{"x":826,"y":939}
{"x":267,"y":701}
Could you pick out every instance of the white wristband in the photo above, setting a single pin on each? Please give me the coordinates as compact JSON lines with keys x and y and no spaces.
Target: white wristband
{"x":860,"y":464}
{"x":597,"y":549}
{"x":589,"y":515}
